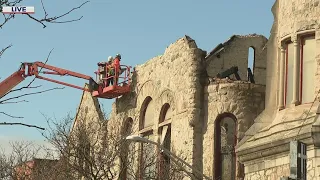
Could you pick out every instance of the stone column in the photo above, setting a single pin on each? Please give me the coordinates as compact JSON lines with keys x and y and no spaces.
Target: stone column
{"x":317,"y":37}
{"x":281,"y":78}
{"x":296,"y":66}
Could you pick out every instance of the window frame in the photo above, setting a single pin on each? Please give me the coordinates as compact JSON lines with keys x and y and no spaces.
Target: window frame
{"x":217,"y":144}
{"x":143,"y":111}
{"x":141,"y":153}
{"x":301,"y":41}
{"x":161,"y":158}
{"x":286,"y":42}
{"x":143,"y":131}
{"x":161,"y":124}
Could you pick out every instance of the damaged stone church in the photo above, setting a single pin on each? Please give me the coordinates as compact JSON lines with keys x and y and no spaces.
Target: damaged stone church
{"x":233,"y":125}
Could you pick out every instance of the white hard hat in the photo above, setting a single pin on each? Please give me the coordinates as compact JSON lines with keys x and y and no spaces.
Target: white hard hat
{"x":110,"y":58}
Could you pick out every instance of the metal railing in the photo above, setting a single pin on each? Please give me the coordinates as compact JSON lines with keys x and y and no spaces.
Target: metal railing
{"x":124,"y":75}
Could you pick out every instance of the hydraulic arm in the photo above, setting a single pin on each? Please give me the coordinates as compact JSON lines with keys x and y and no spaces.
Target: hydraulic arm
{"x":32,"y":69}
{"x":101,"y":90}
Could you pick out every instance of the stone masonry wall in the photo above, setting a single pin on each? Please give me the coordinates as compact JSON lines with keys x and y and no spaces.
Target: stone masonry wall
{"x":244,"y":100}
{"x":170,"y":78}
{"x":236,"y":52}
{"x":298,"y":17}
{"x":89,"y":109}
{"x":274,"y":167}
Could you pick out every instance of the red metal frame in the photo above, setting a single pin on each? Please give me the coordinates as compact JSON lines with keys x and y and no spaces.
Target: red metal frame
{"x":31,"y":69}
{"x":301,"y":67}
{"x":114,"y":90}
{"x":286,"y":75}
{"x":11,"y":82}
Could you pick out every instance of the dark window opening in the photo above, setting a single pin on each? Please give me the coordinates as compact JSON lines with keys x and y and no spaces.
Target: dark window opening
{"x":225,"y":142}
{"x":164,"y":160}
{"x":147,"y":165}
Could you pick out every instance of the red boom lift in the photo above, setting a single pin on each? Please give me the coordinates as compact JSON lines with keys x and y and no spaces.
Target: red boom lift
{"x":100,"y":90}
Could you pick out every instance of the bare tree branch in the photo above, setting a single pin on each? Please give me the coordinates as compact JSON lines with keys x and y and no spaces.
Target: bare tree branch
{"x":14,"y":102}
{"x":25,"y":87}
{"x":21,"y":159}
{"x":10,"y":115}
{"x":10,"y":16}
{"x":22,"y":124}
{"x":28,"y":94}
{"x":29,"y":85}
{"x":43,"y":20}
{"x":4,"y":49}
{"x":54,"y":18}
{"x":97,"y":150}
{"x":9,"y":100}
{"x":93,"y":149}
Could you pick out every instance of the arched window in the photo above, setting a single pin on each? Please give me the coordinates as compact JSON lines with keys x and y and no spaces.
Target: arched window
{"x":225,"y":142}
{"x":251,"y":58}
{"x":165,"y":140}
{"x":251,"y":64}
{"x":147,"y":168}
{"x":146,"y":113}
{"x":165,"y":113}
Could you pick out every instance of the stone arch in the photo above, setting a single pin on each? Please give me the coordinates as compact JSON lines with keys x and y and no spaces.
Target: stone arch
{"x":166,"y":97}
{"x":146,"y":122}
{"x":146,"y":110}
{"x":244,"y":119}
{"x":165,"y":113}
{"x":144,"y":90}
{"x":225,"y":140}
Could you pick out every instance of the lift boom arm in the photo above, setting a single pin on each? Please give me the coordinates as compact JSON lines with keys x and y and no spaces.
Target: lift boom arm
{"x":31,"y":69}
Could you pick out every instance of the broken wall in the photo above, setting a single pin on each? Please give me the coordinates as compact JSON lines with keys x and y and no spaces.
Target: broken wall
{"x":174,"y":79}
{"x":235,"y":52}
{"x":242,"y":100}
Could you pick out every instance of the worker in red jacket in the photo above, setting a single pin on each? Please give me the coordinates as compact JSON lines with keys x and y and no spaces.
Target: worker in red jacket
{"x":116,"y":65}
